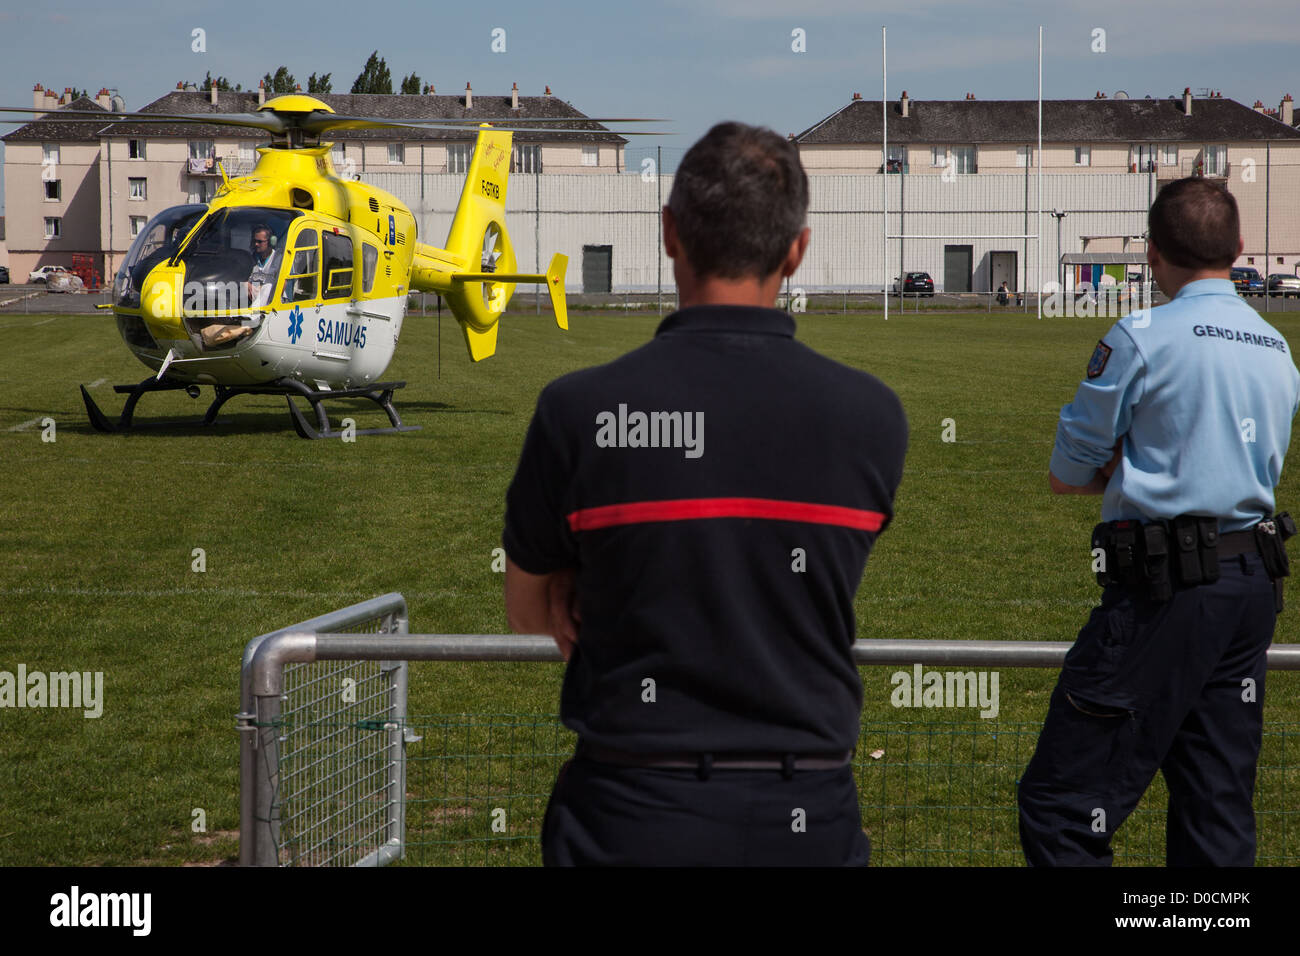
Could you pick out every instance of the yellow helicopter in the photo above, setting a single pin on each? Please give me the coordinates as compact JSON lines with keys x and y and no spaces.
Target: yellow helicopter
{"x":295,"y":281}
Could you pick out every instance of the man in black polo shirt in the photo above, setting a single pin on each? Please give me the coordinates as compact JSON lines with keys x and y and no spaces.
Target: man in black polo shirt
{"x":691,"y":522}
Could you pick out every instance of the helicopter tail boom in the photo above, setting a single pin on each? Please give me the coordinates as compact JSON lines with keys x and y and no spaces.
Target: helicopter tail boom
{"x":476,"y":274}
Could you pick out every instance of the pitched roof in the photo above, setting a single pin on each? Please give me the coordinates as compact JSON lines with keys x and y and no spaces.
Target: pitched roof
{"x":392,"y":106}
{"x":54,"y":131}
{"x":1073,"y":121}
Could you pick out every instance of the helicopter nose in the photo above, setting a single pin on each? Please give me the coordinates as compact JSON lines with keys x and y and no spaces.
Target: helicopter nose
{"x":161,"y":302}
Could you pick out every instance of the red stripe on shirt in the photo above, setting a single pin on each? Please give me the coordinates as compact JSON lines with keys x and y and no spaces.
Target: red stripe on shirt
{"x":688,"y":509}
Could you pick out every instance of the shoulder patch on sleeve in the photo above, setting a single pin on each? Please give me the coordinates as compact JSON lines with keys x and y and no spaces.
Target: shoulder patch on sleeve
{"x":1100,"y":356}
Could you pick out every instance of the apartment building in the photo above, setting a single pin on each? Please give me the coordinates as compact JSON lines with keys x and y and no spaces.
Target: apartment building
{"x":1254,"y":152}
{"x":76,"y":187}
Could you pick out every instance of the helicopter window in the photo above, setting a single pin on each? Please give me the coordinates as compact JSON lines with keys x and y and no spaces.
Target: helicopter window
{"x":234,"y":258}
{"x":157,"y":241}
{"x":338,"y":265}
{"x":369,"y":259}
{"x":300,"y":283}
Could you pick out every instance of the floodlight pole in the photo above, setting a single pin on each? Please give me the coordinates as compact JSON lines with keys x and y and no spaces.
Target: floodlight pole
{"x":884,"y":179}
{"x":1039,"y":228}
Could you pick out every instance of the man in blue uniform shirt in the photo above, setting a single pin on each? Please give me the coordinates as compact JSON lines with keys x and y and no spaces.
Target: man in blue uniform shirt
{"x":702,"y":591}
{"x":1182,"y":424}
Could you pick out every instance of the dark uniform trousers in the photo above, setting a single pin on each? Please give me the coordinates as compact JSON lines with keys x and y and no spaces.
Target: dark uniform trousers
{"x":1176,"y":687}
{"x":604,"y":815}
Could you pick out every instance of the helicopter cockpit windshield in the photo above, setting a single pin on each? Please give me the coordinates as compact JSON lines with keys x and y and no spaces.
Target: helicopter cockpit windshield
{"x":233,"y":260}
{"x":158,"y":241}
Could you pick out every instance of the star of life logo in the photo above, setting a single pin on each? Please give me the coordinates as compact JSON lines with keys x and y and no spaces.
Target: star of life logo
{"x":295,"y":325}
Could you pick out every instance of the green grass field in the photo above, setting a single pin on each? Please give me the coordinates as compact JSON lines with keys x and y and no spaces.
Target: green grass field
{"x":98,"y":533}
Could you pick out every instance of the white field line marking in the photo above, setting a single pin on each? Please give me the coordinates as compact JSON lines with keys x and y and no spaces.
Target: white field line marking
{"x":27,"y":424}
{"x":97,"y":382}
{"x":24,"y":325}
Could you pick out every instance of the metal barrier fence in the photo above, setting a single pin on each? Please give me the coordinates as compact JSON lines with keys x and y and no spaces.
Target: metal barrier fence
{"x":322,"y":747}
{"x":476,"y":791}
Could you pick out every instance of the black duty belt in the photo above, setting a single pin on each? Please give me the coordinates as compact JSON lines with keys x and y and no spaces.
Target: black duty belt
{"x":1157,"y":558}
{"x":703,"y":763}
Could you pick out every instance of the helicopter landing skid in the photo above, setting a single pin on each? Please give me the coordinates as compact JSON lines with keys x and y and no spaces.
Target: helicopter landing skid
{"x":381,"y":393}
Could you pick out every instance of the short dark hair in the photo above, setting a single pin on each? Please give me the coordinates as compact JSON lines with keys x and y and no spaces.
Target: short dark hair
{"x":1194,"y":224}
{"x":739,"y":198}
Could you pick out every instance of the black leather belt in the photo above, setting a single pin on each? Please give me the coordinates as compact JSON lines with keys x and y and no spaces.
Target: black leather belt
{"x":1238,"y":542}
{"x":704,"y":762}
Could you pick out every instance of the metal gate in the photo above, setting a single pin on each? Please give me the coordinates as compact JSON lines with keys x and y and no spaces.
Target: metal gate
{"x":322,"y":760}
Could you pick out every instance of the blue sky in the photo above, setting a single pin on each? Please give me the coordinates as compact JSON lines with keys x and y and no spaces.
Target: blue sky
{"x":693,"y":61}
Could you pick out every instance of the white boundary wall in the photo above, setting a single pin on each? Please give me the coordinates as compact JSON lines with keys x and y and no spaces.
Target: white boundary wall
{"x":846,"y":253}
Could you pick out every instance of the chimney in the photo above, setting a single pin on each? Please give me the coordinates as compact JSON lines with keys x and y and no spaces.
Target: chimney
{"x":905,"y":103}
{"x":1187,"y":101}
{"x":1259,"y":107}
{"x":104,"y":99}
{"x":548,"y":91}
{"x":1287,"y":108}
{"x":261,"y":92}
{"x":856,"y":97}
{"x":51,"y":100}
{"x":514,"y":96}
{"x":297,"y":87}
{"x":212,"y":93}
{"x":469,"y":97}
{"x":38,"y":96}
{"x":432,"y":91}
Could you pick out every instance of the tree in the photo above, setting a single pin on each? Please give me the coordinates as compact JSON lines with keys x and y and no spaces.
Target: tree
{"x":281,"y":82}
{"x":319,"y":84}
{"x":411,"y":84}
{"x":223,"y":84}
{"x":374,"y":77}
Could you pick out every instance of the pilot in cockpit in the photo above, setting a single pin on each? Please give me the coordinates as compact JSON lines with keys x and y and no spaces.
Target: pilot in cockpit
{"x":266,"y":263}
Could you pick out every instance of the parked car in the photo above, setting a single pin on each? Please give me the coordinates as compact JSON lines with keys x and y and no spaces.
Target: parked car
{"x":916,"y":283}
{"x":1279,"y":283}
{"x":4,"y":275}
{"x":42,"y":274}
{"x":1247,"y":281}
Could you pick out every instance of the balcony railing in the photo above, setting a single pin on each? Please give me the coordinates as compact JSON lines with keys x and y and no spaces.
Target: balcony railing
{"x":207,"y":166}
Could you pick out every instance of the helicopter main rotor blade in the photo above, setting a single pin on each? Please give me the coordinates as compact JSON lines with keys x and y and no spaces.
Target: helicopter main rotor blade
{"x":271,"y":122}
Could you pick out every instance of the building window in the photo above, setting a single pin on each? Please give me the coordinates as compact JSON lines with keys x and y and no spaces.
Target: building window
{"x":458,"y":157}
{"x":965,"y":158}
{"x":202,"y":190}
{"x":135,"y":148}
{"x":1216,"y":161}
{"x":246,"y":154}
{"x":896,"y":160}
{"x":396,"y":154}
{"x":938,"y":155}
{"x":137,"y":225}
{"x":591,"y":155}
{"x":49,"y":154}
{"x":53,"y":227}
{"x":1169,"y":155}
{"x":1024,"y":156}
{"x":138,"y":190}
{"x":1083,"y":155}
{"x":1250,"y":260}
{"x":53,"y":190}
{"x":1142,"y":158}
{"x":526,"y":159}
